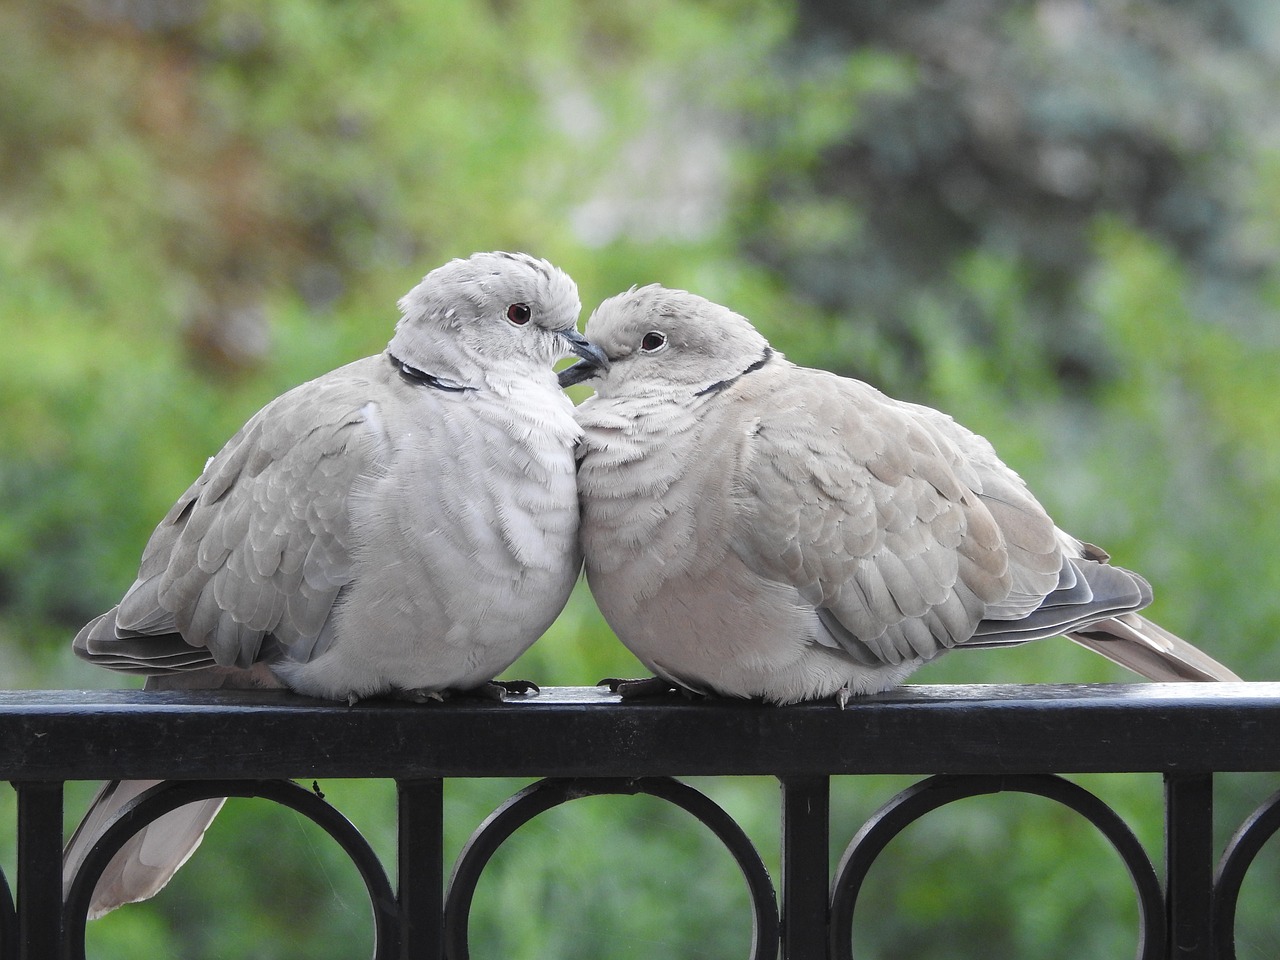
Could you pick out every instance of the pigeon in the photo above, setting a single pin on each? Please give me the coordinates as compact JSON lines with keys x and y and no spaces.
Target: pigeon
{"x":402,"y":526}
{"x":752,"y":528}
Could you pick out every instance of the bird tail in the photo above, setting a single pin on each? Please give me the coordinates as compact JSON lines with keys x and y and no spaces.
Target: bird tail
{"x":1148,"y":649}
{"x":149,"y":859}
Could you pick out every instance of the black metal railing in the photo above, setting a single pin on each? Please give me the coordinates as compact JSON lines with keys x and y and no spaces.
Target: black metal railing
{"x":964,"y":740}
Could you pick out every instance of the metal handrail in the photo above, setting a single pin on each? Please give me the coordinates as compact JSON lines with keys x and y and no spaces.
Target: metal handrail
{"x":967,"y":741}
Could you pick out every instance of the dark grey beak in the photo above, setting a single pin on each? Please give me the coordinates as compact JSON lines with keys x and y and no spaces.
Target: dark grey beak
{"x":593,"y":359}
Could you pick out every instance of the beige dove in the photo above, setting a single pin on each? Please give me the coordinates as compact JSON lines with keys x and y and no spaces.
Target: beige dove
{"x":404,"y":525}
{"x":753,"y":528}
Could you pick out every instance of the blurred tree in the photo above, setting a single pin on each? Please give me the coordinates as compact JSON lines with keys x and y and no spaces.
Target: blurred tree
{"x":1013,"y":128}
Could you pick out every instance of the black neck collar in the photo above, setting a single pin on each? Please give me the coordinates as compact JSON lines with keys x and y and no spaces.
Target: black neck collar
{"x":420,"y":378}
{"x":722,"y":384}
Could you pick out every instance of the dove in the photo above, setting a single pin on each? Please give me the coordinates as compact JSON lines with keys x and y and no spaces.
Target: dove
{"x":405,"y":525}
{"x":753,"y":528}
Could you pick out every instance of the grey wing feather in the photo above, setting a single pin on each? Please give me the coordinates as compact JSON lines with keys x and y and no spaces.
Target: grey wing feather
{"x":1087,"y":591}
{"x":258,"y":548}
{"x":909,"y":536}
{"x":899,"y":526}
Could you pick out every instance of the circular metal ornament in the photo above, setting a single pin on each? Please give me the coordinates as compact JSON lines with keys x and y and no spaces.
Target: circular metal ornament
{"x":928,"y":795}
{"x":169,"y":795}
{"x":1236,"y":860}
{"x":545,"y":794}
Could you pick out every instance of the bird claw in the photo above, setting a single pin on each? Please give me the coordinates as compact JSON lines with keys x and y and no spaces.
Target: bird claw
{"x":499,"y":690}
{"x":842,"y":696}
{"x":418,"y":696}
{"x":519,"y":688}
{"x":639,"y":688}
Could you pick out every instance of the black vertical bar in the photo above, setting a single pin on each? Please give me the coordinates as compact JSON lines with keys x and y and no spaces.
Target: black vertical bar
{"x":420,"y":865}
{"x":806,"y":867}
{"x":39,"y":869}
{"x":1189,"y":864}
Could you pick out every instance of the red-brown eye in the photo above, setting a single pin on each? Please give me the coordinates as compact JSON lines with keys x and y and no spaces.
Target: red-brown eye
{"x":519,"y":314}
{"x":653,"y":341}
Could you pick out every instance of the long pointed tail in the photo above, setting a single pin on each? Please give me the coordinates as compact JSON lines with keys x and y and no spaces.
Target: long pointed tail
{"x":150,"y":858}
{"x":1146,"y":648}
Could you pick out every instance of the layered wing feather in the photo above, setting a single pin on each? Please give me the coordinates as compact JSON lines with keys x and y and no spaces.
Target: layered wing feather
{"x":252,"y":557}
{"x":902,"y":528}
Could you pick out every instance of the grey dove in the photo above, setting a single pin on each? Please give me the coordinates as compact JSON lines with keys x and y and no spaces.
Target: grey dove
{"x":753,"y":528}
{"x":405,"y":525}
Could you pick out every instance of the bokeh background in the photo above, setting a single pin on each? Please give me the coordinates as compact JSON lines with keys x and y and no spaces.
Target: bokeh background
{"x":1055,"y":220}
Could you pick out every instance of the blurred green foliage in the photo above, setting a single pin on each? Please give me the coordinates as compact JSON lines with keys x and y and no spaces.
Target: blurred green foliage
{"x":1057,"y":221}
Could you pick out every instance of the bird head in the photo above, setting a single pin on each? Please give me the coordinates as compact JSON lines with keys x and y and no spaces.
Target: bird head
{"x":491,"y":310}
{"x":658,"y":339}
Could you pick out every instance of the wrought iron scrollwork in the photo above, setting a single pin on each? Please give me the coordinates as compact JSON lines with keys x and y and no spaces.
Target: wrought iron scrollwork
{"x":170,"y":795}
{"x":445,"y":926}
{"x":1236,"y":860}
{"x":928,"y":795}
{"x":545,"y":794}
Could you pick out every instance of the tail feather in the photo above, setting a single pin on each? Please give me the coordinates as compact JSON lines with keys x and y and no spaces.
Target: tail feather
{"x":1148,"y":649}
{"x":150,"y":858}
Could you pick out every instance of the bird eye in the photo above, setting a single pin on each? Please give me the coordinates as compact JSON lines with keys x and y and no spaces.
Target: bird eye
{"x":519,"y":314}
{"x":653,"y":341}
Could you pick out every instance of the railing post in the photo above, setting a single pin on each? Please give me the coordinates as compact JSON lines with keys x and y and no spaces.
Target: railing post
{"x":39,"y":904}
{"x":806,"y":867}
{"x":420,"y":868}
{"x":1189,"y":865}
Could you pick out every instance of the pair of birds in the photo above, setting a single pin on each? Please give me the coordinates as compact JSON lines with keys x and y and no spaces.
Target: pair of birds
{"x":410,"y":523}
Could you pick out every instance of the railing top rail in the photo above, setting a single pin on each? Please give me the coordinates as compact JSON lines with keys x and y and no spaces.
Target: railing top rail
{"x":584,"y":731}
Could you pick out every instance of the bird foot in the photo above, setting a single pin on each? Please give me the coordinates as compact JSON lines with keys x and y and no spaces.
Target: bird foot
{"x":640,"y":688}
{"x":417,"y":696}
{"x":842,"y":696}
{"x":501,"y":689}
